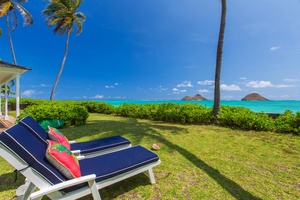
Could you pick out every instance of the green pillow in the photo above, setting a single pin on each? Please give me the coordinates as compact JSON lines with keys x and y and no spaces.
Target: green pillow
{"x":56,"y":123}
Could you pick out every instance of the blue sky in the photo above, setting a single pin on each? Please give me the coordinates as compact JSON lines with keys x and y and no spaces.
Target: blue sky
{"x":163,"y":50}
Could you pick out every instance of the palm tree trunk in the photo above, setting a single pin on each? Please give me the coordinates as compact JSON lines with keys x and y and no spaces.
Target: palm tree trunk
{"x":10,"y":40}
{"x":216,"y":108}
{"x":61,"y":67}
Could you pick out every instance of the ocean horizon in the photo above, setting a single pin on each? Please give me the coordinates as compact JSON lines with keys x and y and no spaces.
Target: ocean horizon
{"x":270,"y":106}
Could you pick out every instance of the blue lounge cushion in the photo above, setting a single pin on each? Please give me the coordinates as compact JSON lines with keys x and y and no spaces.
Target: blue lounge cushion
{"x":84,"y":147}
{"x":118,"y":162}
{"x":32,"y":151}
{"x":99,"y":145}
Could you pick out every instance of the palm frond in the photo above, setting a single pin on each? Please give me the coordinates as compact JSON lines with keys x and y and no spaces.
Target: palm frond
{"x":13,"y":20}
{"x":22,"y":1}
{"x":4,"y":8}
{"x":27,"y":17}
{"x":62,"y":14}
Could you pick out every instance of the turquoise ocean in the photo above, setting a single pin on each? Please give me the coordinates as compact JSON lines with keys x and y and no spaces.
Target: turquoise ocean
{"x":271,"y":106}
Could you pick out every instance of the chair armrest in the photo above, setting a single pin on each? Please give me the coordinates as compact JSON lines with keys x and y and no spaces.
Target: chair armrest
{"x":80,"y":157}
{"x":72,"y":141}
{"x":60,"y":186}
{"x":76,"y":152}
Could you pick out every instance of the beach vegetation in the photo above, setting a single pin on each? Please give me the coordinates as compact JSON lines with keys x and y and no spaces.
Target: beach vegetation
{"x":288,"y":122}
{"x":217,"y":92}
{"x":230,"y":116}
{"x":72,"y":114}
{"x":245,"y":119}
{"x":64,"y":16}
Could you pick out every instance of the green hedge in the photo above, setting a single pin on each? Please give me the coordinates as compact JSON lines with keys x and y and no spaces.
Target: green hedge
{"x":76,"y":113}
{"x":174,"y":113}
{"x":244,"y":118}
{"x":72,"y":114}
{"x":288,"y":122}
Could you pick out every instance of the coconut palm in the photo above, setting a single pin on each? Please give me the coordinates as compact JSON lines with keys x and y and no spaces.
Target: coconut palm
{"x":62,"y":14}
{"x":216,"y":107}
{"x":8,"y":8}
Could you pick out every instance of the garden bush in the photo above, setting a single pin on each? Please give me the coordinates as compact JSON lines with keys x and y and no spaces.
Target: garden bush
{"x":98,"y":107}
{"x":288,"y":122}
{"x":72,"y":114}
{"x":244,"y":118}
{"x":168,"y":112}
{"x":76,"y":113}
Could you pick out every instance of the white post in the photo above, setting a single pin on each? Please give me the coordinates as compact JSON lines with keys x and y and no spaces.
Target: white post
{"x":6,"y":103}
{"x":17,"y":95}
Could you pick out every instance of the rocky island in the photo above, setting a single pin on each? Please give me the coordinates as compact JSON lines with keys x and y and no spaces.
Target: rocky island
{"x":196,"y":97}
{"x":254,"y":96}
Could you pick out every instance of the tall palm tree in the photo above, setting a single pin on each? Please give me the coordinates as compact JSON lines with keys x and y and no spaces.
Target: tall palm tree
{"x":8,"y":8}
{"x":62,"y":14}
{"x":216,"y":107}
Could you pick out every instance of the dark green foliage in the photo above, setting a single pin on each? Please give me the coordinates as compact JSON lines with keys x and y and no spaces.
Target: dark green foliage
{"x":99,"y":107}
{"x":174,"y":113}
{"x":244,"y":118}
{"x":76,"y":113}
{"x":288,"y":122}
{"x":71,"y":113}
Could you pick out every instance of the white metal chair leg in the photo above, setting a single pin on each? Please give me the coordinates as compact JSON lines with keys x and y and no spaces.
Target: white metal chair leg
{"x":151,"y":176}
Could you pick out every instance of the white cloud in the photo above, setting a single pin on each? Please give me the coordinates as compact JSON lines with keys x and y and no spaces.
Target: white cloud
{"x":98,"y":96}
{"x":274,"y":48}
{"x":290,"y":80}
{"x":243,"y":78}
{"x":206,"y":82}
{"x":177,"y":91}
{"x":283,"y":86}
{"x":161,"y":88}
{"x":185,"y":84}
{"x":28,"y":93}
{"x":259,"y":84}
{"x":43,"y":85}
{"x":111,"y":86}
{"x":203,"y":91}
{"x":263,"y":84}
{"x":232,"y":87}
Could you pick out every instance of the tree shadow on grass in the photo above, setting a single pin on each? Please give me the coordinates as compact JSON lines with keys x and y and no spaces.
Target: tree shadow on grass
{"x":7,"y":181}
{"x":136,"y":131}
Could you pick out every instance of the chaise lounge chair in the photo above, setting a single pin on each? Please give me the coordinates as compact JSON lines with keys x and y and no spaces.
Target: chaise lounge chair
{"x":88,"y":149}
{"x":27,"y":155}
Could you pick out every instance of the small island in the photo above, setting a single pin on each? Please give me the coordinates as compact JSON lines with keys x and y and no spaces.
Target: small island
{"x":196,"y":97}
{"x":254,"y":96}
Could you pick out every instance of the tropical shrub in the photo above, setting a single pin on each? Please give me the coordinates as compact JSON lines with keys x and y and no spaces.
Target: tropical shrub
{"x":244,"y":118}
{"x":98,"y":107}
{"x":288,"y":122}
{"x":168,"y":112}
{"x":72,"y":114}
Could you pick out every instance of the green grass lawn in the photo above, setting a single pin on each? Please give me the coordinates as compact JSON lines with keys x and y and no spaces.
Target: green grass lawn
{"x":198,"y":162}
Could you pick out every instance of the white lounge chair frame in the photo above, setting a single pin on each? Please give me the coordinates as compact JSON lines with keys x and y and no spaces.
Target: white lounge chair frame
{"x":34,"y":179}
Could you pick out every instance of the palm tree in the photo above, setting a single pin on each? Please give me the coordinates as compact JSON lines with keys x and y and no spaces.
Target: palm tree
{"x":62,"y":14}
{"x":8,"y":9}
{"x":216,"y":107}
